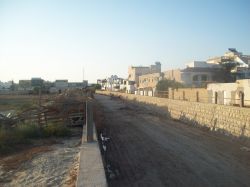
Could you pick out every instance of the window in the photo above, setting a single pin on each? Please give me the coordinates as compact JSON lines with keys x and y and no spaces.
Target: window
{"x":204,"y":77}
{"x":195,"y":78}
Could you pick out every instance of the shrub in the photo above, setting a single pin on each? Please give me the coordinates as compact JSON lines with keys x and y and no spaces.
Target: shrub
{"x":56,"y":129}
{"x":23,"y":133}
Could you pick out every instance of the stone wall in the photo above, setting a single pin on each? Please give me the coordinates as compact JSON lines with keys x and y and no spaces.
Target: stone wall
{"x":227,"y":119}
{"x":189,"y":94}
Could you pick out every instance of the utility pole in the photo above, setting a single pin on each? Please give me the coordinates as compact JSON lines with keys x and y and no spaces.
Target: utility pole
{"x":82,"y":74}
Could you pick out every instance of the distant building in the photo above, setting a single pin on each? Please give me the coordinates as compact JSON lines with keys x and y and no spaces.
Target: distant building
{"x":113,"y":83}
{"x":78,"y":85}
{"x":102,"y":82}
{"x":201,"y":64}
{"x":36,"y":82}
{"x":199,"y":77}
{"x":173,"y":74}
{"x":61,"y":84}
{"x":194,"y":76}
{"x":232,"y":55}
{"x":200,"y":73}
{"x":148,"y":82}
{"x":128,"y":86}
{"x":6,"y":86}
{"x":25,"y":85}
{"x":135,"y":71}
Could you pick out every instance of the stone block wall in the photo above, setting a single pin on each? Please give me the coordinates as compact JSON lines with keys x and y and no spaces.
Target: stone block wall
{"x":189,"y":94}
{"x":227,"y":119}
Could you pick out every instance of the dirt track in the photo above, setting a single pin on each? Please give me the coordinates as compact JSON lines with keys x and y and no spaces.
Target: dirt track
{"x":147,"y":149}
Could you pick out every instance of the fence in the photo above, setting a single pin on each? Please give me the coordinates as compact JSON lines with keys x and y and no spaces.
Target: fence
{"x":201,"y":95}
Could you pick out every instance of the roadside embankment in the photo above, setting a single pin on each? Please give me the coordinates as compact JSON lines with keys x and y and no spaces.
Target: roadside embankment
{"x":229,"y":120}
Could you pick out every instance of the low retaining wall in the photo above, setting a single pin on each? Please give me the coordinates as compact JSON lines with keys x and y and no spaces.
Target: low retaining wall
{"x":91,"y":171}
{"x":227,"y":119}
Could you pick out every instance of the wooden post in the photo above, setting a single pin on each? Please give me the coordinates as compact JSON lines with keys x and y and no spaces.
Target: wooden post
{"x":241,"y":99}
{"x":216,"y":97}
{"x":89,"y":121}
{"x":197,"y":96}
{"x":39,"y":114}
{"x":183,"y":95}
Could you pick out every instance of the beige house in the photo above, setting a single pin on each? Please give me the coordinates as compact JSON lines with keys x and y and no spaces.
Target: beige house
{"x":135,"y":71}
{"x":193,"y":76}
{"x":148,"y":82}
{"x":173,"y":74}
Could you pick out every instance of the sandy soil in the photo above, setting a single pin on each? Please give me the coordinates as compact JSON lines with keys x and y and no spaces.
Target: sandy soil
{"x":148,"y":149}
{"x":44,"y":165}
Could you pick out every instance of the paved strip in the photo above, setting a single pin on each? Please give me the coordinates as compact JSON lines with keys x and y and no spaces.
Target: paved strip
{"x":91,"y":172}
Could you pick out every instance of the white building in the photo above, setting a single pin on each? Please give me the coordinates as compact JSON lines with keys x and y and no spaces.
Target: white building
{"x":201,"y":64}
{"x":61,"y":85}
{"x":231,"y":56}
{"x":6,"y":85}
{"x":229,"y":93}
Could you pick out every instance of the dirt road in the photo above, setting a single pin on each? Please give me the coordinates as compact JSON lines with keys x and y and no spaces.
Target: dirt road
{"x":148,"y":149}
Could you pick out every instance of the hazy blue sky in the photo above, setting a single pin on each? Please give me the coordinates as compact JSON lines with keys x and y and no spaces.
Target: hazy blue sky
{"x":56,"y":39}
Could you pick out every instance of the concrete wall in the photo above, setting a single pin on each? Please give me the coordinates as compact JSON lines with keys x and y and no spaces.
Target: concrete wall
{"x":227,"y":119}
{"x":229,"y":93}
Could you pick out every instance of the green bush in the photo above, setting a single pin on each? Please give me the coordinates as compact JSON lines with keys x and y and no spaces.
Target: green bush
{"x":3,"y":138}
{"x":23,"y":133}
{"x":28,"y":131}
{"x":57,"y":130}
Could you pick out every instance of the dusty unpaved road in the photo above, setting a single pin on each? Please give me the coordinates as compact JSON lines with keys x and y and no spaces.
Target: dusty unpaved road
{"x":148,"y":149}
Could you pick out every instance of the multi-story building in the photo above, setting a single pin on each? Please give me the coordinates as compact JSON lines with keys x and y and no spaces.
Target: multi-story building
{"x":231,"y":56}
{"x":112,"y":83}
{"x":196,"y":74}
{"x":135,"y":71}
{"x":36,"y":82}
{"x":200,"y":73}
{"x":148,"y":83}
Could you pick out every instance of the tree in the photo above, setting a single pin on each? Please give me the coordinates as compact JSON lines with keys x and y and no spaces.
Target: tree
{"x":163,"y":85}
{"x":97,"y":86}
{"x":227,"y":75}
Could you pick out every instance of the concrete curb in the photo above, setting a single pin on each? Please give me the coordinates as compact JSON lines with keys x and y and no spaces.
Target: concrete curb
{"x":91,"y":171}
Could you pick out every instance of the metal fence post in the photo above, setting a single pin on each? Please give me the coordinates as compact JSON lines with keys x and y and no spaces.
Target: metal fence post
{"x":89,"y":121}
